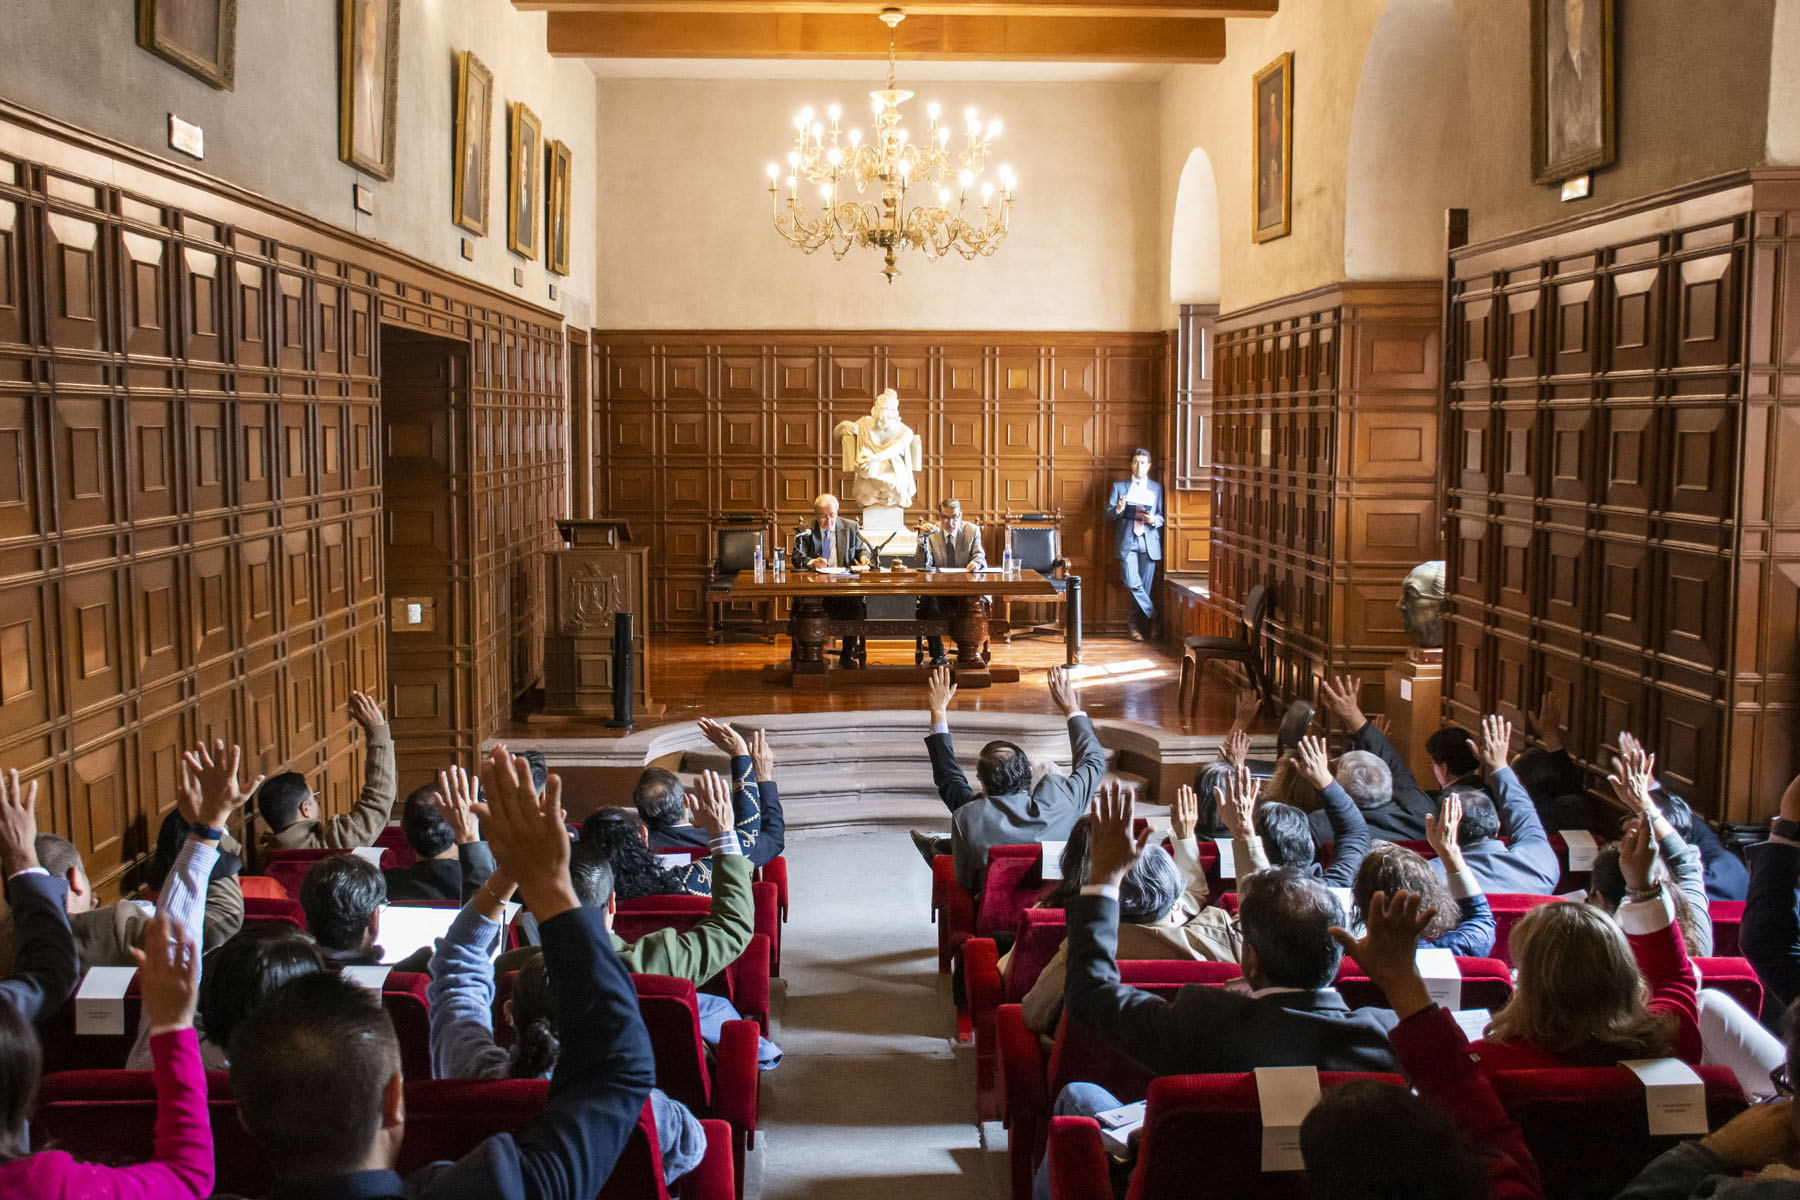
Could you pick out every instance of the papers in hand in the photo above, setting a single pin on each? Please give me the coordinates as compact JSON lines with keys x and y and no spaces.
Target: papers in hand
{"x":1473,"y":1022}
{"x":370,"y":854}
{"x":406,"y":929}
{"x":1119,"y":1127}
{"x":1139,"y":493}
{"x":1286,"y":1095}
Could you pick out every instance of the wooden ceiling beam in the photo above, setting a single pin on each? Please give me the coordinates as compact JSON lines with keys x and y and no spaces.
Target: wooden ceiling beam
{"x":846,"y":36}
{"x":1211,"y":10}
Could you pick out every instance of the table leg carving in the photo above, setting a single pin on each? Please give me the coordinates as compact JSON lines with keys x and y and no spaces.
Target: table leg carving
{"x":970,"y":629}
{"x":809,"y":631}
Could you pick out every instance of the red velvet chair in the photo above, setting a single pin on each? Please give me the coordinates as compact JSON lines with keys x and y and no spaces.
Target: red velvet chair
{"x":1486,"y":983}
{"x":1038,"y":937}
{"x":775,"y":871}
{"x":261,"y":887}
{"x":1508,"y":907}
{"x":727,"y":1088}
{"x":289,"y":867}
{"x":403,"y":995}
{"x":1013,"y":883}
{"x":1736,"y":978}
{"x":261,"y":911}
{"x":64,"y":1050}
{"x":1727,"y":917}
{"x":109,"y":1117}
{"x":745,"y":982}
{"x":400,"y":853}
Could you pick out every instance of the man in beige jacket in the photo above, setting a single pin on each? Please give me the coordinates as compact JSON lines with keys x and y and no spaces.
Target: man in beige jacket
{"x":290,"y":810}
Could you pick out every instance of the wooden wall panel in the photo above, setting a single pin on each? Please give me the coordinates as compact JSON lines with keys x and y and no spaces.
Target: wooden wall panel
{"x":191,"y":485}
{"x":1325,"y":468}
{"x":1624,"y":525}
{"x":702,"y":424}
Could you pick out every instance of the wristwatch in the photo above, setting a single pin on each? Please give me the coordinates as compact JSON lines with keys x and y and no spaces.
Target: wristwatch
{"x":206,"y":833}
{"x":1784,"y":828}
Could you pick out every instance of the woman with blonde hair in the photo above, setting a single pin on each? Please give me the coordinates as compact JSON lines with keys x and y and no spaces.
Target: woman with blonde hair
{"x":1593,"y":990}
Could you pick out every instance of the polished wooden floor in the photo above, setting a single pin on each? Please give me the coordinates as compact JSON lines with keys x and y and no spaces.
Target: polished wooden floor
{"x":1118,"y":678}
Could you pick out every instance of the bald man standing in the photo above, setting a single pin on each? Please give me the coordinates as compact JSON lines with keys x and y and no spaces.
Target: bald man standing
{"x":834,"y":541}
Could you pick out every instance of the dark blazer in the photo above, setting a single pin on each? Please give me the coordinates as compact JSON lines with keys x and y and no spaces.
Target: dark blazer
{"x":1406,"y":821}
{"x":1122,"y":524}
{"x":442,"y":878}
{"x":979,"y":823}
{"x":1209,"y":1029}
{"x":44,"y":970}
{"x":1770,"y":936}
{"x":751,"y":817}
{"x":847,"y":545}
{"x":602,"y":1078}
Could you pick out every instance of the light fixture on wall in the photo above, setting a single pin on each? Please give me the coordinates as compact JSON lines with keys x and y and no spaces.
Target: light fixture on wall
{"x":892,"y":164}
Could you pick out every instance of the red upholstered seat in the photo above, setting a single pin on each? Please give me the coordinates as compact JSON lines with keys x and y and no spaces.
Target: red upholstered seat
{"x":1736,"y":978}
{"x":728,"y":1087}
{"x":1038,"y":937}
{"x":403,"y":995}
{"x":1508,"y":907}
{"x":110,"y":1117}
{"x":261,"y":887}
{"x":1013,"y":883}
{"x":289,"y":867}
{"x":1486,"y":983}
{"x":775,"y":871}
{"x":1727,"y":917}
{"x":681,"y":911}
{"x":64,"y":1050}
{"x":745,"y":982}
{"x":263,"y":911}
{"x":399,"y":850}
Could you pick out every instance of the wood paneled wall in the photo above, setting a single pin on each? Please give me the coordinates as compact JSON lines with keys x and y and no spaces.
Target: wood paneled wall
{"x":1325,"y":471}
{"x":701,"y":424}
{"x":191,"y":496}
{"x":1624,"y":483}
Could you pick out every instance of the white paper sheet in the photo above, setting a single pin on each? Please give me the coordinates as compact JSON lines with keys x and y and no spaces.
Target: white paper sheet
{"x":405,"y":929}
{"x":1227,"y":858}
{"x":1053,"y":852}
{"x":1346,"y":899}
{"x":1674,"y":1097}
{"x":100,"y":1001}
{"x":1473,"y":1021}
{"x":370,"y":854}
{"x":1286,"y":1095}
{"x":1443,"y":981}
{"x":1139,"y":493}
{"x":1582,"y":848}
{"x":370,"y":977}
{"x":1117,"y":1125}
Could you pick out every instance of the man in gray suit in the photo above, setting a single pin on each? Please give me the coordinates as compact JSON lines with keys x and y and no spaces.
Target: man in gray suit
{"x":834,"y":541}
{"x":1008,"y":811}
{"x":1135,"y":507}
{"x":954,"y":542}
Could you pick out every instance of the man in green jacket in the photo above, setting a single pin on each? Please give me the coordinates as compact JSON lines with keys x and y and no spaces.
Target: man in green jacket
{"x":290,"y":812}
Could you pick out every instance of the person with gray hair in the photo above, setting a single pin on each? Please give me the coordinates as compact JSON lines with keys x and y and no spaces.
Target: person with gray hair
{"x":1369,"y":781}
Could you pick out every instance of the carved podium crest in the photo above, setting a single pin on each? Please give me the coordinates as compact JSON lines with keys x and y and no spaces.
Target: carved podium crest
{"x":590,"y":598}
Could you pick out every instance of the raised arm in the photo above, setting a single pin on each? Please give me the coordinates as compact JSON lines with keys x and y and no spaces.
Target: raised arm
{"x":952,"y":785}
{"x":375,"y":803}
{"x":746,"y":800}
{"x":461,"y":992}
{"x":1342,"y":698}
{"x":716,"y":940}
{"x":1184,"y":843}
{"x":1236,"y":803}
{"x":1648,"y":919}
{"x":774,"y":821}
{"x":455,"y":798}
{"x":1474,"y":932}
{"x":45,"y":968}
{"x":1087,"y":758}
{"x":1770,"y":937}
{"x":1349,"y":832}
{"x":1519,"y":822}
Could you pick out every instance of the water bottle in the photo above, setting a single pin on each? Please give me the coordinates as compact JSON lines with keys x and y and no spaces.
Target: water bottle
{"x":756,"y":560}
{"x":780,"y":563}
{"x":1007,"y":565}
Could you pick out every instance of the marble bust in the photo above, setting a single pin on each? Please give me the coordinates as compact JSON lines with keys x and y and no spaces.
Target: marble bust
{"x":1422,"y":604}
{"x":881,"y":453}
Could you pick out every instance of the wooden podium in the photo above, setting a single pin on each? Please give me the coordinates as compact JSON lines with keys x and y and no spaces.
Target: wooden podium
{"x":1415,"y":690}
{"x":595,"y":576}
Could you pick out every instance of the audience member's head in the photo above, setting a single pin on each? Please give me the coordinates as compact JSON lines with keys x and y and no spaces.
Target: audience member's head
{"x":591,"y":873}
{"x":1480,"y":819}
{"x":246,"y":969}
{"x":284,"y":799}
{"x":21,"y":1067}
{"x":1451,"y":755}
{"x":315,"y":1071}
{"x":341,"y":897}
{"x":533,"y":1012}
{"x":1150,"y":889}
{"x":618,"y":835}
{"x":1368,"y":1140}
{"x":59,"y":857}
{"x":1578,"y":994}
{"x":1546,"y":776}
{"x":1676,"y":812}
{"x":1285,"y":785}
{"x":1286,"y":915}
{"x":540,"y":769}
{"x":1365,"y":778}
{"x":1392,"y":868}
{"x":423,"y":823}
{"x":1286,"y":834}
{"x":1003,"y":769}
{"x":660,"y":799}
{"x":1607,"y":889}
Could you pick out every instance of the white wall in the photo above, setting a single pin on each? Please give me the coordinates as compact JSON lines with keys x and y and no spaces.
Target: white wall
{"x":686,"y":240}
{"x":276,"y":134}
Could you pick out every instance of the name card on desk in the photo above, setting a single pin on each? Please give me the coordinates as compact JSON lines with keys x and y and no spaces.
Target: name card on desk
{"x":1286,"y":1095}
{"x":370,"y":854}
{"x":100,"y":1001}
{"x":1673,"y":1096}
{"x":1582,"y":848}
{"x":1443,"y":981}
{"x":372,"y":978}
{"x":1227,"y":858}
{"x":1053,"y":852}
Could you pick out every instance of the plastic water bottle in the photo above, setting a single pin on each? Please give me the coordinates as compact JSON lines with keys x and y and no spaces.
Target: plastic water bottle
{"x":756,"y":560}
{"x":1007,"y":566}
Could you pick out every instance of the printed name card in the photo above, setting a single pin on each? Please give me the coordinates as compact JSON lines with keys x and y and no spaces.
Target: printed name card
{"x":370,"y":854}
{"x":1443,"y":981}
{"x":1053,"y":852}
{"x":1673,"y":1096}
{"x":1227,"y":858}
{"x":1286,"y":1095}
{"x":100,"y":1002}
{"x":1473,"y":1021}
{"x":372,"y":978}
{"x":1582,"y":848}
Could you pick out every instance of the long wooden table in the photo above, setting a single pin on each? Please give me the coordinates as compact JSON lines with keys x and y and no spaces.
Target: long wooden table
{"x":810,"y":628}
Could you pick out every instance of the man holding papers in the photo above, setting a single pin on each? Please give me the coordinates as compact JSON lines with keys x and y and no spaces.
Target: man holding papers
{"x":953,"y":542}
{"x":1135,"y":508}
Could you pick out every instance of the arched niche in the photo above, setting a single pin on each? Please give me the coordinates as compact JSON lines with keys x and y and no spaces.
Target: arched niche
{"x":1194,"y":234}
{"x":1409,"y":135}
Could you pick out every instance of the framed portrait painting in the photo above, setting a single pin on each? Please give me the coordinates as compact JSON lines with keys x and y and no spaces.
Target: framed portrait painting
{"x":524,"y":181}
{"x":556,"y":208}
{"x":1272,"y":146}
{"x":1571,"y":88}
{"x":199,"y":36}
{"x":474,"y":130}
{"x":368,"y":82}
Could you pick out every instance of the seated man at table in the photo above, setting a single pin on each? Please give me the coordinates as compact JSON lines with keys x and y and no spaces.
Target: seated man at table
{"x":954,"y":542}
{"x":834,"y":541}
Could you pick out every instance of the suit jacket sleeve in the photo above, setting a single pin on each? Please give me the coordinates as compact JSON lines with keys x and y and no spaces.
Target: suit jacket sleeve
{"x":952,"y":785}
{"x":1519,"y":822}
{"x":977,"y":552}
{"x":45,"y":969}
{"x":375,"y":804}
{"x":477,"y":862}
{"x":774,"y":825}
{"x":1770,"y":936}
{"x":1089,"y":759}
{"x":855,"y":548}
{"x":1349,"y":835}
{"x":1138,"y":1024}
{"x":1112,"y":501}
{"x":1407,"y":792}
{"x":746,"y":803}
{"x":716,"y":940}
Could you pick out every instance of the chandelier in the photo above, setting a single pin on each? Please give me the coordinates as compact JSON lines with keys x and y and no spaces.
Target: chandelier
{"x":893,"y":164}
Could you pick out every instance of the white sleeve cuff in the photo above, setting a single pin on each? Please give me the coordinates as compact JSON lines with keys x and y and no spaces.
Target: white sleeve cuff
{"x":1464,"y":885}
{"x":1080,"y":712}
{"x":27,"y":871}
{"x":940,"y":727}
{"x":1109,"y":890}
{"x":726,"y":843}
{"x":1648,"y":916}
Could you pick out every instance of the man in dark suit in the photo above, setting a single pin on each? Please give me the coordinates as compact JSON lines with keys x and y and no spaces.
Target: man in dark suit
{"x":1135,"y":507}
{"x":1291,"y":1016}
{"x":452,"y":862}
{"x":834,"y":541}
{"x":952,"y":542}
{"x":1008,"y":810}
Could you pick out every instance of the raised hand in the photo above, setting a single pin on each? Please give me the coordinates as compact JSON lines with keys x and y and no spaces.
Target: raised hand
{"x":527,"y":832}
{"x":1496,"y":738}
{"x":1388,"y":949}
{"x":1380,"y":723}
{"x":1235,"y":749}
{"x":1314,"y":762}
{"x":1441,"y":831}
{"x":1184,"y":814}
{"x":18,"y":825}
{"x":1111,"y":850}
{"x":762,"y":757}
{"x":1342,"y":698}
{"x":1757,"y":1137}
{"x":1546,"y":724}
{"x":456,"y":800}
{"x":1236,"y":802}
{"x":1637,"y":854}
{"x":1245,"y":705}
{"x":214,"y":793}
{"x":168,"y":974}
{"x":710,"y":810}
{"x":1632,"y":777}
{"x":724,"y":737}
{"x":940,"y":690}
{"x":364,"y":712}
{"x":1062,"y":691}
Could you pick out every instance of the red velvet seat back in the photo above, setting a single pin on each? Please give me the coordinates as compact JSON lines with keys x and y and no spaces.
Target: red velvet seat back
{"x":1486,"y":983}
{"x":1014,"y":882}
{"x":261,"y":911}
{"x":446,"y":1118}
{"x":1727,"y":916}
{"x":403,"y":995}
{"x":646,"y":914}
{"x":289,"y":867}
{"x":1040,"y":935}
{"x":261,"y":887}
{"x":399,"y":851}
{"x":1736,"y":978}
{"x":672,"y":1016}
{"x":1508,"y":907}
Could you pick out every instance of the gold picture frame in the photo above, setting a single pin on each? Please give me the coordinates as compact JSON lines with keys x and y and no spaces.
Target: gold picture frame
{"x":524,"y":178}
{"x":1572,"y":121}
{"x":368,"y":84}
{"x":1272,"y":150}
{"x":199,"y":36}
{"x":557,"y":207}
{"x":472,"y":169}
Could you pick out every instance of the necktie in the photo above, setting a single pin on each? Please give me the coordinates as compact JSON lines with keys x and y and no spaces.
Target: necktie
{"x":826,"y":552}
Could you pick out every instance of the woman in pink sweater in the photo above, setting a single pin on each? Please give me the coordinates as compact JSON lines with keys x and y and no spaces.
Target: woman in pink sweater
{"x":182,"y":1168}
